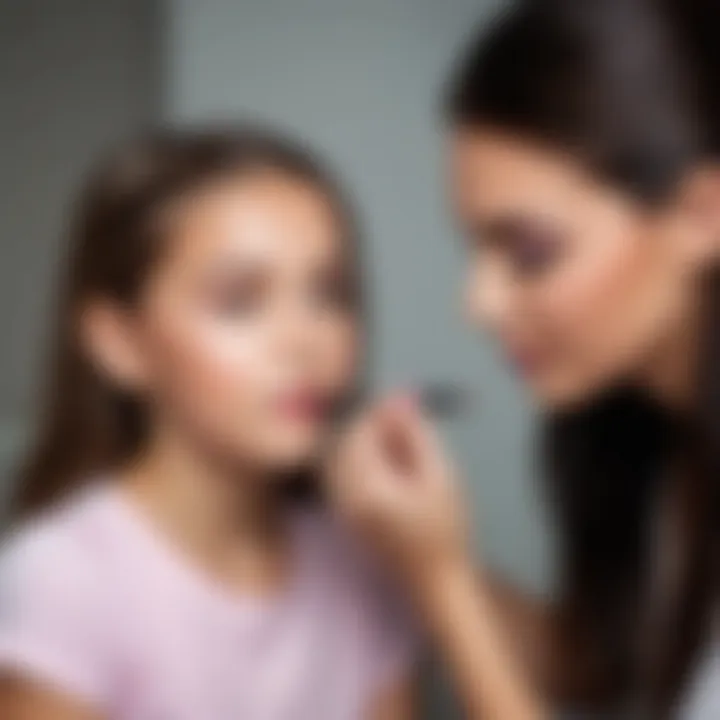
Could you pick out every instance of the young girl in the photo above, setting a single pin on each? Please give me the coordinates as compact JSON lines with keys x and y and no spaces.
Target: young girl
{"x":162,"y":567}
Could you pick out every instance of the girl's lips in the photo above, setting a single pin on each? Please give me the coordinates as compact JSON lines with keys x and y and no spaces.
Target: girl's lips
{"x":303,"y":405}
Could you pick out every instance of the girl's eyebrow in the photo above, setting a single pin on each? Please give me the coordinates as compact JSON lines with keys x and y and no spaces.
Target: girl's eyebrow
{"x":234,"y":263}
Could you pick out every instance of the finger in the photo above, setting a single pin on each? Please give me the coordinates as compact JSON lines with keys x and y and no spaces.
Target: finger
{"x":412,"y":435}
{"x":354,"y":465}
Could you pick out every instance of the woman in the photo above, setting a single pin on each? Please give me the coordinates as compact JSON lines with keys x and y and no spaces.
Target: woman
{"x":585,"y":140}
{"x":162,"y":564}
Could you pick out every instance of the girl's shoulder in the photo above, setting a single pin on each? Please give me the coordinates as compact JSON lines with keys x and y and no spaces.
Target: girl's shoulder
{"x":337,"y":553}
{"x":55,"y":597}
{"x":347,"y":572}
{"x":61,"y":544}
{"x":330,"y":545}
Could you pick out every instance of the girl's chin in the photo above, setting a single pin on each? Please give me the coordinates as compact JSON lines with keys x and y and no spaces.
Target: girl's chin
{"x":290,"y":458}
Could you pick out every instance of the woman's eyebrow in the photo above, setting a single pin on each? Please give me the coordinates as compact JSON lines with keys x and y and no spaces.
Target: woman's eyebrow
{"x":497,"y":231}
{"x":505,"y":229}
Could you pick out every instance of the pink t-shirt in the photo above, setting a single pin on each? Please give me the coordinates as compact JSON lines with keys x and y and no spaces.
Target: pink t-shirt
{"x":95,"y":603}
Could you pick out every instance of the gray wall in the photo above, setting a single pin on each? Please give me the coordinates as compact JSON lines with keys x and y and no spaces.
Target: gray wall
{"x":73,"y":76}
{"x":360,"y":79}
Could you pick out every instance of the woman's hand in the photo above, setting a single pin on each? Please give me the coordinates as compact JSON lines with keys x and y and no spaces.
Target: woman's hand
{"x":391,"y":480}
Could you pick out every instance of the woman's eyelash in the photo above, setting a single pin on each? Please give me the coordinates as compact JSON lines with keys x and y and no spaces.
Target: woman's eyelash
{"x":535,"y":254}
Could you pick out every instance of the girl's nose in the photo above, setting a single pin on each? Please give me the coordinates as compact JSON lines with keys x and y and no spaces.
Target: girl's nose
{"x":298,"y":332}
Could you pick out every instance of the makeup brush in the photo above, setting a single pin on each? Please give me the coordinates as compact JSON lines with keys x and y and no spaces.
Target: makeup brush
{"x":440,"y":400}
{"x":444,"y":401}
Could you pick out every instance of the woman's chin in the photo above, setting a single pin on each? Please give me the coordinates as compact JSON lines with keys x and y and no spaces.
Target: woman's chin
{"x":563,"y":394}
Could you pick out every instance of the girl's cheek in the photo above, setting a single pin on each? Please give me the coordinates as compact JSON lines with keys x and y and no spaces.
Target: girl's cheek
{"x":344,"y":358}
{"x":210,"y":356}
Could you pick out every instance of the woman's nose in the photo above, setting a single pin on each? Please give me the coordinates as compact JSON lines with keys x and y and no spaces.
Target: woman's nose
{"x":487,"y":296}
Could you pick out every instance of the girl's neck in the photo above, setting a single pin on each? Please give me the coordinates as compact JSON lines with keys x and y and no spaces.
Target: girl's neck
{"x":222,"y":515}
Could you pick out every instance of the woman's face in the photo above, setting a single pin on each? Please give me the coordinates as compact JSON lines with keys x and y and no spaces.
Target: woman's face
{"x":246,"y":333}
{"x":579,"y":284}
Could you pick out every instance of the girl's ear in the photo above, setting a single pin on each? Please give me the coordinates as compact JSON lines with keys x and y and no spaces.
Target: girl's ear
{"x":110,"y":337}
{"x":700,"y":203}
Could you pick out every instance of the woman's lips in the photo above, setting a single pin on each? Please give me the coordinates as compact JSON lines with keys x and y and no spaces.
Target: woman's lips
{"x":524,"y":361}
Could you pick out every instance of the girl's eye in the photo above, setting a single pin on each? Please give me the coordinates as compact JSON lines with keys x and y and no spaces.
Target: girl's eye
{"x":332,"y":291}
{"x":238,"y":299}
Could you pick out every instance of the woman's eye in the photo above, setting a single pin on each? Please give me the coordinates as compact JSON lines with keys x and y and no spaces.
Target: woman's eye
{"x":534,"y":257}
{"x":531,"y":245}
{"x":534,"y":250}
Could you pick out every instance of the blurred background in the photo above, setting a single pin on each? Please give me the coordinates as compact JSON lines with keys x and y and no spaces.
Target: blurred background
{"x":360,"y":80}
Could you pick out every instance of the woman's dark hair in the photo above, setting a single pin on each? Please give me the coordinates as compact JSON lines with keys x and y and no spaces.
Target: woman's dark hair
{"x":86,"y":425}
{"x":631,"y":88}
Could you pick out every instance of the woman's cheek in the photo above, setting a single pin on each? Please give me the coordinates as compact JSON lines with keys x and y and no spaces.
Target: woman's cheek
{"x":597,"y":315}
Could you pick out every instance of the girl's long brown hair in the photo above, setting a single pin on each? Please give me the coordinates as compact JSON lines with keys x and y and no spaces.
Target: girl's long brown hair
{"x":86,"y":425}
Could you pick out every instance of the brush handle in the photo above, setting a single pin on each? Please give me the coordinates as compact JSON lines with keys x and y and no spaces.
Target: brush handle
{"x":439,"y":400}
{"x":444,"y":401}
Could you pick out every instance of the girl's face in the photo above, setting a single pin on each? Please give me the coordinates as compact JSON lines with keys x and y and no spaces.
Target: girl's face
{"x":246,"y":332}
{"x":580,"y":285}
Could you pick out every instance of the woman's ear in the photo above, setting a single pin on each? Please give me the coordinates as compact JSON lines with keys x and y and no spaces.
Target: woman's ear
{"x":110,"y":337}
{"x":700,"y":204}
